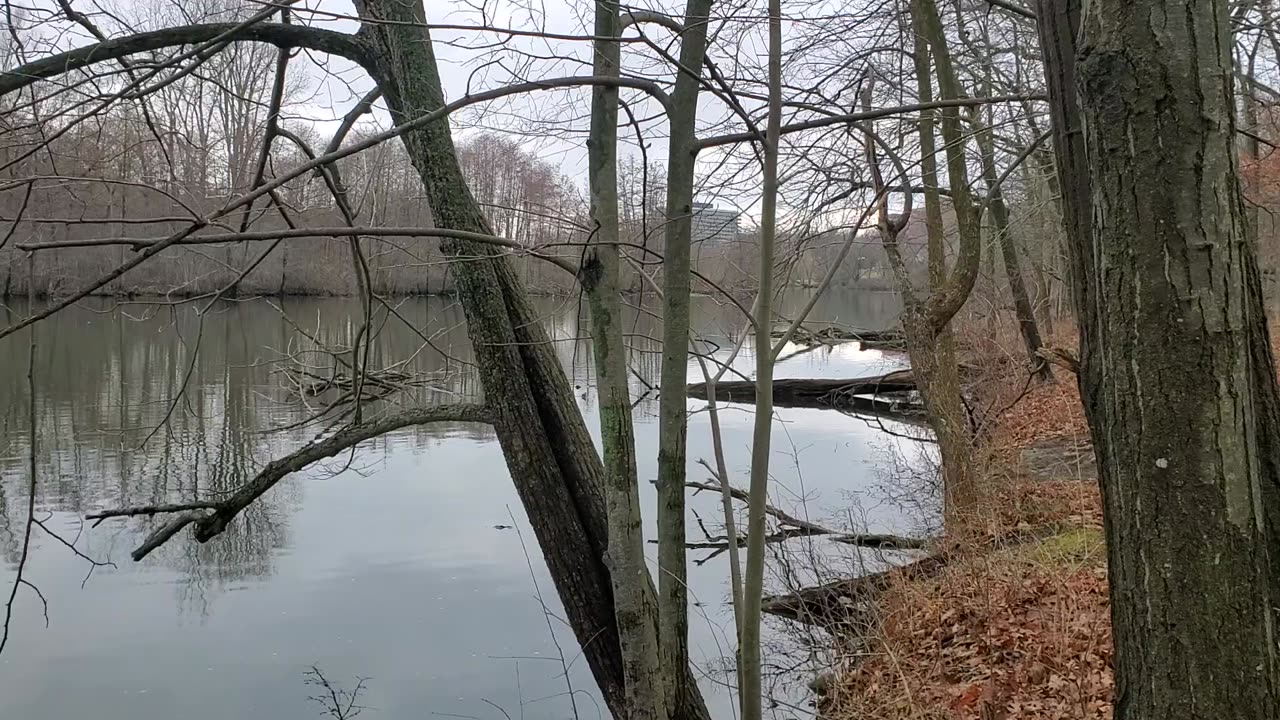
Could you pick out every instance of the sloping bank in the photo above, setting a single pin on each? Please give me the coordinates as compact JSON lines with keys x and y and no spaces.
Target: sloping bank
{"x":1013,"y":623}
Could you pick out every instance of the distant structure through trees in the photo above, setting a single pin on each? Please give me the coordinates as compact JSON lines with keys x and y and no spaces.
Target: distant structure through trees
{"x":714,"y":225}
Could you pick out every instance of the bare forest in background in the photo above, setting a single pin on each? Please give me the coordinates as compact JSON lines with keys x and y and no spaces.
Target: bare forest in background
{"x":140,"y":172}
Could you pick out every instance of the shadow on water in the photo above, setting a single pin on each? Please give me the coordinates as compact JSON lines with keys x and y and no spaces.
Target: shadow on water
{"x":393,"y":562}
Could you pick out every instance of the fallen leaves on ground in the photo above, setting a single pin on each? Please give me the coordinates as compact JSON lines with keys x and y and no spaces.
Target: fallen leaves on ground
{"x":1045,"y":412}
{"x":1022,"y":632}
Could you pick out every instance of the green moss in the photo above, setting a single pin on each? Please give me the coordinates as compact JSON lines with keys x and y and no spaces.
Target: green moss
{"x":1074,"y":544}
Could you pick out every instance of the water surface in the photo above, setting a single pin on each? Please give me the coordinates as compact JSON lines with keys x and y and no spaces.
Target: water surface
{"x":395,"y":563}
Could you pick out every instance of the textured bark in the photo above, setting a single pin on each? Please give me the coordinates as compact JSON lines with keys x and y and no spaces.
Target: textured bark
{"x":1168,"y":296}
{"x":673,"y":593}
{"x":600,"y":280}
{"x":1058,"y":22}
{"x":557,"y":473}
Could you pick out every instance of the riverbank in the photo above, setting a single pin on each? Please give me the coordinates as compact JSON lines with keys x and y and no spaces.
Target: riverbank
{"x":1016,"y":624}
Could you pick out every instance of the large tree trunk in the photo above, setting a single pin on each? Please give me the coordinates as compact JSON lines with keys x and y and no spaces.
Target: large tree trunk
{"x":549,"y":453}
{"x":1177,"y":379}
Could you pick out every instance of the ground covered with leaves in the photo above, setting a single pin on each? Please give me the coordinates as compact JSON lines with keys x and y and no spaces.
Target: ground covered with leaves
{"x":1017,"y":626}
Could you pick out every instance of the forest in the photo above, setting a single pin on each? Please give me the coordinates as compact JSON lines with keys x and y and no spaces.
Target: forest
{"x":634,"y":253}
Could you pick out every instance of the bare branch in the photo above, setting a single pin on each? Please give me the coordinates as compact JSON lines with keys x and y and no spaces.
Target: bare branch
{"x":212,"y":518}
{"x":850,"y":118}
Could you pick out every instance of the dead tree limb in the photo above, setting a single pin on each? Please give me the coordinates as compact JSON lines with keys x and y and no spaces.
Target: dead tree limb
{"x":1061,"y":357}
{"x":810,"y":392}
{"x":212,"y":517}
{"x":793,"y":527}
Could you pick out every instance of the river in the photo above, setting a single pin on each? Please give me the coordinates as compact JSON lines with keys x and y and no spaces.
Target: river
{"x":397,"y":564}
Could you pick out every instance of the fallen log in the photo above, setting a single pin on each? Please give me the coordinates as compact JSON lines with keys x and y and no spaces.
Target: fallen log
{"x":830,"y":335}
{"x":814,"y":392}
{"x":842,"y":601}
{"x":847,"y":601}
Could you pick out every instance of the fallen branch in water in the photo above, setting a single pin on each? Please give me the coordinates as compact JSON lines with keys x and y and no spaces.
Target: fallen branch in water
{"x":844,"y":601}
{"x":793,"y":527}
{"x":833,"y":335}
{"x":813,"y":392}
{"x":149,"y":510}
{"x":212,"y":517}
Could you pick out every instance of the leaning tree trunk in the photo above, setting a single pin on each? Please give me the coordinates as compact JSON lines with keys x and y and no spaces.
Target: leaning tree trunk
{"x":549,"y":453}
{"x":1177,"y":379}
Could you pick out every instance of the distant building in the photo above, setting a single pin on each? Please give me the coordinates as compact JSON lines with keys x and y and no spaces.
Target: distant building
{"x":713,"y":225}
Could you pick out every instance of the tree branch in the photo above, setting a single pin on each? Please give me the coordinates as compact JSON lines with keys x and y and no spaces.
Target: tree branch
{"x":300,"y":232}
{"x":211,"y":518}
{"x":849,"y":118}
{"x":281,"y":35}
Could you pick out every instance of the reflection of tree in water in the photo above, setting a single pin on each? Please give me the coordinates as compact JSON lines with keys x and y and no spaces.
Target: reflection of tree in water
{"x":112,"y":435}
{"x":244,"y":552}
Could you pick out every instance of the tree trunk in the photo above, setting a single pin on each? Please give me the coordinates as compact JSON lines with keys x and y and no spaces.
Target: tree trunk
{"x":599,"y":277}
{"x":1177,"y":379}
{"x":682,"y":151}
{"x":549,"y":453}
{"x":1022,"y":309}
{"x":926,"y":322}
{"x":750,"y":688}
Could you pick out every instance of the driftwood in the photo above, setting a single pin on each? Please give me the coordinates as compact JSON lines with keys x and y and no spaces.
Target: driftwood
{"x":847,"y":601}
{"x":842,"y":601}
{"x":817,"y":392}
{"x":793,"y":527}
{"x":831,"y":335}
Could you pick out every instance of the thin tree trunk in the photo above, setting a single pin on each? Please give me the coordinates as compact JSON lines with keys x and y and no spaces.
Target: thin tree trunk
{"x":1022,"y":309}
{"x":750,"y":687}
{"x":599,"y":278}
{"x":673,"y":591}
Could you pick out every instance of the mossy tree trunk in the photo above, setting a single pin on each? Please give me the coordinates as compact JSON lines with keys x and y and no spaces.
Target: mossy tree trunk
{"x":599,"y":275}
{"x":682,"y":151}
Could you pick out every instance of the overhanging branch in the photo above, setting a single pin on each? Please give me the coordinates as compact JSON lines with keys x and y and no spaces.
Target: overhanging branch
{"x":850,"y":118}
{"x":278,"y":34}
{"x":211,"y":518}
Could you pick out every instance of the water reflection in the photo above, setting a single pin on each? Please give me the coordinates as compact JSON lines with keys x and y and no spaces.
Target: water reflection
{"x":384,"y":563}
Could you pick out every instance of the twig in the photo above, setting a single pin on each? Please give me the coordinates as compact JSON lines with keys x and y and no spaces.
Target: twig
{"x":31,"y":504}
{"x":546,"y":614}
